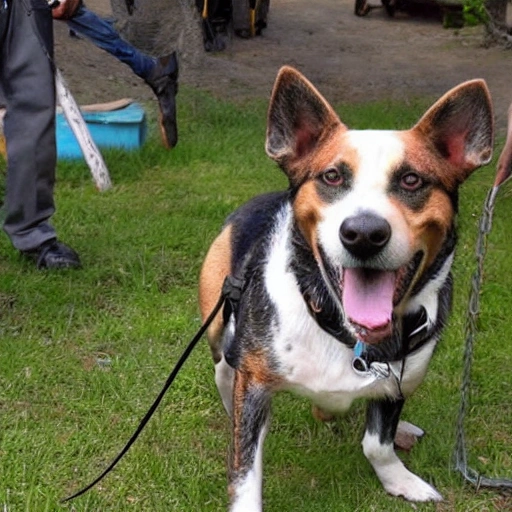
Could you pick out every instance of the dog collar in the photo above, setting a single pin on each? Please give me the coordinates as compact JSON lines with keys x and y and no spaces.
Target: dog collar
{"x":415,"y":333}
{"x":378,"y":370}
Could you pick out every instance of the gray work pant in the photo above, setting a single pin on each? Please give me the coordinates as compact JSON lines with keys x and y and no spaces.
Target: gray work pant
{"x":28,"y":85}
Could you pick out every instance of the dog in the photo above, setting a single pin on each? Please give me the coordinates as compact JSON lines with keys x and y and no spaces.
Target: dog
{"x":345,"y":276}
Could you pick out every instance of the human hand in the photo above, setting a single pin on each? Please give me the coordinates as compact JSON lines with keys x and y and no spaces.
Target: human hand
{"x":65,"y":10}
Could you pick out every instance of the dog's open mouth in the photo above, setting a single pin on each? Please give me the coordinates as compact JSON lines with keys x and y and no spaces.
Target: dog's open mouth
{"x":368,"y":302}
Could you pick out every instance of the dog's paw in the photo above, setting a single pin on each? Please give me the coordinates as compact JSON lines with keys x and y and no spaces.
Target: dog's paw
{"x":407,"y":435}
{"x":412,"y":488}
{"x":322,"y":415}
{"x":394,"y":476}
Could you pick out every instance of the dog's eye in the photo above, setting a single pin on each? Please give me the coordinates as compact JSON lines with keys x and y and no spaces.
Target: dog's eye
{"x":411,"y":181}
{"x":332,"y":177}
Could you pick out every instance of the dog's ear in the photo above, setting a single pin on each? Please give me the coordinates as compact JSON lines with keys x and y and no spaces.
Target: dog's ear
{"x":461,"y":127}
{"x":298,"y":118}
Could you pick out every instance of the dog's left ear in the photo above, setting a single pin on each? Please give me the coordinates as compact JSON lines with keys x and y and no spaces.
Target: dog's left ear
{"x":461,"y":127}
{"x":299,"y":118}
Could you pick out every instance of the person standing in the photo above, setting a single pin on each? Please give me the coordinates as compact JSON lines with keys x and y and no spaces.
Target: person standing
{"x":27,"y":80}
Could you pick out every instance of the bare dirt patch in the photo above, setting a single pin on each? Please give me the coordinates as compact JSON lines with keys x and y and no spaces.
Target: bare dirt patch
{"x":348,"y":58}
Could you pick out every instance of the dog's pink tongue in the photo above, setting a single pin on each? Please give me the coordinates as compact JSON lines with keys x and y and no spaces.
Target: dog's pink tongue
{"x":368,"y":297}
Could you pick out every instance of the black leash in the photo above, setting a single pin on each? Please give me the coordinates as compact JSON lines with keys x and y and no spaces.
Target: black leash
{"x":231,"y":293}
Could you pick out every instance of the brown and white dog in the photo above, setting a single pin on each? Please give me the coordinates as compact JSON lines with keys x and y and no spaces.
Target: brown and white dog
{"x":346,"y":275}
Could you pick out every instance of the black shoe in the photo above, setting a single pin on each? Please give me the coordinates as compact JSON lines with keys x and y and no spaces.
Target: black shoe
{"x":53,"y":254}
{"x":164,"y":82}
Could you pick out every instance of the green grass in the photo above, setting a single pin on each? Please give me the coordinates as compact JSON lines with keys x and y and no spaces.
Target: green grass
{"x":84,"y":353}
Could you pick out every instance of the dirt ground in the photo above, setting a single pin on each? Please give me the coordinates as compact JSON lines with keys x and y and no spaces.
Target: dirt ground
{"x":348,"y":58}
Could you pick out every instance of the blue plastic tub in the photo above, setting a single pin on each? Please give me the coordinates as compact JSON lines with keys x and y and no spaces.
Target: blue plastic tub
{"x":123,"y":128}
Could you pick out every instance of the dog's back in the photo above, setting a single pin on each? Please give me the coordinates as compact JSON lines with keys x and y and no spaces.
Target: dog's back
{"x":243,"y":233}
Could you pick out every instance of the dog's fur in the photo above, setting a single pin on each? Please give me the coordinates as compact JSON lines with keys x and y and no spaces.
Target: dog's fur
{"x":358,"y":248}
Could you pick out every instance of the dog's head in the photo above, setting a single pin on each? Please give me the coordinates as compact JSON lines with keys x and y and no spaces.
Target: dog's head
{"x":376,"y":207}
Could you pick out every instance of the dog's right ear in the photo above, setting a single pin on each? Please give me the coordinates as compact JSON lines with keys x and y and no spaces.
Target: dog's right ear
{"x":299,"y":118}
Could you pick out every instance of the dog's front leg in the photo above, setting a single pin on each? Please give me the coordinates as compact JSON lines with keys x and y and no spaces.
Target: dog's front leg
{"x":251,"y":414}
{"x":381,"y":424}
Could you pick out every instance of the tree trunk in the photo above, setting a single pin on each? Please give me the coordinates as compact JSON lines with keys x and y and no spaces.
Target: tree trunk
{"x":159,"y":27}
{"x":497,"y":10}
{"x":497,"y":30}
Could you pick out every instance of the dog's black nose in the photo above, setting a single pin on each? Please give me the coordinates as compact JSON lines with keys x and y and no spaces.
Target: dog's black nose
{"x":365,"y":235}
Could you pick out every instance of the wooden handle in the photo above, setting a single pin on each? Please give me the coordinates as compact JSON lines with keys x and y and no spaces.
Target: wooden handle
{"x":107,"y":107}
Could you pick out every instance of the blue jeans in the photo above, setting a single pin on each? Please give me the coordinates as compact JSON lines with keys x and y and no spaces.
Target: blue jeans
{"x":104,"y":36}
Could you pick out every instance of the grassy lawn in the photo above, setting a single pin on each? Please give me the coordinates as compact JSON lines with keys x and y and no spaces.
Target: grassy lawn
{"x":84,"y":353}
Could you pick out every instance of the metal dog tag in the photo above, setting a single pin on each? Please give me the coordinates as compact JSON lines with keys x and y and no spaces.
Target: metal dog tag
{"x":361,"y":367}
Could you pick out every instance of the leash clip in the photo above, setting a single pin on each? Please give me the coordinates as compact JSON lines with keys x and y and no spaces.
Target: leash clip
{"x":232,"y":288}
{"x":359,"y":364}
{"x":361,"y":367}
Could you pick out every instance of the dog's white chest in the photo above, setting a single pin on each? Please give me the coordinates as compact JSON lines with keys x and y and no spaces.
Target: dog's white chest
{"x":311,"y":362}
{"x":314,"y":364}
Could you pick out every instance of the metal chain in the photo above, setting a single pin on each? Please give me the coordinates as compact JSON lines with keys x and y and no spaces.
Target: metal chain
{"x":460,"y":454}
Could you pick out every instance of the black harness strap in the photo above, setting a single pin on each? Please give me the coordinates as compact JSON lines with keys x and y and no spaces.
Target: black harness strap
{"x":231,"y":293}
{"x":416,"y":331}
